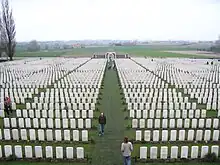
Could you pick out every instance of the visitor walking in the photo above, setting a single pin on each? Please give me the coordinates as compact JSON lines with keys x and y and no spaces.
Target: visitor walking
{"x":126,"y":149}
{"x":102,"y":122}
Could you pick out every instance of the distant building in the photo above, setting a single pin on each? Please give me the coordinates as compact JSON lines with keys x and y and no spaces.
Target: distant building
{"x":78,"y":46}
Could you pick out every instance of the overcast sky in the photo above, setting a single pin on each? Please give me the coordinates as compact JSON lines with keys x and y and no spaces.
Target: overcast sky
{"x":117,"y":19}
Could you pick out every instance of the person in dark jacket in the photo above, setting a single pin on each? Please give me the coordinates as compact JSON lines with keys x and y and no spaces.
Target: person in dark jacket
{"x":7,"y":105}
{"x":102,"y":122}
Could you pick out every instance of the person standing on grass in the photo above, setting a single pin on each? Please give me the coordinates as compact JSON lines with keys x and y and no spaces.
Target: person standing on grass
{"x":6,"y":108}
{"x":126,"y":149}
{"x":102,"y":122}
{"x":7,"y":105}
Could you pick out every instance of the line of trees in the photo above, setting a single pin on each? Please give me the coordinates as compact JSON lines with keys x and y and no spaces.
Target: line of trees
{"x":7,"y":30}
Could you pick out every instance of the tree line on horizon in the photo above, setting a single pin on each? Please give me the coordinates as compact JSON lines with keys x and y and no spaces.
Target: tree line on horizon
{"x":7,"y":30}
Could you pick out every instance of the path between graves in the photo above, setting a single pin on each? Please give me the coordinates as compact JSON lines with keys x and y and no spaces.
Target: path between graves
{"x":107,"y":148}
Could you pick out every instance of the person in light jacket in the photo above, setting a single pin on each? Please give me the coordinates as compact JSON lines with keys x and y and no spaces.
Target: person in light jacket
{"x":126,"y":149}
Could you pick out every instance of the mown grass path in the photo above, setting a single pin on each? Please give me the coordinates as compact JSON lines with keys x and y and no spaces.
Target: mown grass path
{"x":107,"y":149}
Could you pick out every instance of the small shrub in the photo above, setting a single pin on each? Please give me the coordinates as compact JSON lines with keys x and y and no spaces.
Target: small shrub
{"x":128,"y":127}
{"x":210,"y":157}
{"x":97,"y":109}
{"x":11,"y":158}
{"x":92,"y":140}
{"x":126,"y":118}
{"x":125,"y":109}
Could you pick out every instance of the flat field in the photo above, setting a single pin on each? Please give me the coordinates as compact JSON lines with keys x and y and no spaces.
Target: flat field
{"x":147,"y":50}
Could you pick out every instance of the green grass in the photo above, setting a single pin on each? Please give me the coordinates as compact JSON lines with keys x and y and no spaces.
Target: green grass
{"x":72,"y":163}
{"x":148,"y":50}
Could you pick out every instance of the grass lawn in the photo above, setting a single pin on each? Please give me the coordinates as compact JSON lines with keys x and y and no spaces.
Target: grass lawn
{"x":141,"y":51}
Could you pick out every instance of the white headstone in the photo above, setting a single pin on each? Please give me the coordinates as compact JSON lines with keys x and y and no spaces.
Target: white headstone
{"x":194,"y":123}
{"x":199,"y":135}
{"x":173,"y":135}
{"x":184,"y":152}
{"x":13,"y":122}
{"x":38,"y":151}
{"x":171,"y":114}
{"x":15,"y":135}
{"x":179,"y":123}
{"x":174,"y":152}
{"x":215,"y":123}
{"x":28,"y":122}
{"x":201,"y":123}
{"x":49,"y":134}
{"x":164,"y":135}
{"x":69,"y":152}
{"x":143,"y":152}
{"x":90,"y":113}
{"x":50,"y":122}
{"x":72,"y":123}
{"x":207,"y":135}
{"x":172,"y":123}
{"x":157,"y":123}
{"x":149,"y":123}
{"x":59,"y":152}
{"x":153,"y":153}
{"x":156,"y":135}
{"x":147,"y":135}
{"x":43,"y":123}
{"x":164,"y":123}
{"x":165,"y":113}
{"x":138,"y":135}
{"x":163,"y":152}
{"x":178,"y":113}
{"x":88,"y":123}
{"x":181,"y":135}
{"x":151,"y":114}
{"x":190,"y":136}
{"x":8,"y":150}
{"x":41,"y":135}
{"x":186,"y":123}
{"x":57,"y":123}
{"x":194,"y":152}
{"x":23,"y":134}
{"x":35,"y":123}
{"x":80,"y":123}
{"x":184,"y":114}
{"x":21,"y":122}
{"x":142,"y":123}
{"x":215,"y":149}
{"x":58,"y":136}
{"x":65,"y":123}
{"x":64,"y":114}
{"x":28,"y":151}
{"x":0,"y":151}
{"x":208,"y":123}
{"x":75,"y":135}
{"x":18,"y":151}
{"x":204,"y":151}
{"x":79,"y":152}
{"x":7,"y":134}
{"x":67,"y":135}
{"x":32,"y":134}
{"x":215,"y":136}
{"x":49,"y":151}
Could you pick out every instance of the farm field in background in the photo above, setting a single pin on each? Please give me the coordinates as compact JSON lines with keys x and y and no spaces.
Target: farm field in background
{"x":148,"y":50}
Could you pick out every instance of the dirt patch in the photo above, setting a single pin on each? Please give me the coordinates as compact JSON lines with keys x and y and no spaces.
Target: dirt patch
{"x":197,"y":53}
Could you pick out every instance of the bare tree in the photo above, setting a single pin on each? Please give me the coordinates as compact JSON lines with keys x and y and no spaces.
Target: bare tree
{"x":7,"y":29}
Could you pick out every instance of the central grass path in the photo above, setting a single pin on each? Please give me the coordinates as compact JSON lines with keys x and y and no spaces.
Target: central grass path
{"x":107,"y":148}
